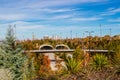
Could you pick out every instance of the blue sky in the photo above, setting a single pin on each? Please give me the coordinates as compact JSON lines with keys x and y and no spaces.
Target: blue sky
{"x":59,"y":17}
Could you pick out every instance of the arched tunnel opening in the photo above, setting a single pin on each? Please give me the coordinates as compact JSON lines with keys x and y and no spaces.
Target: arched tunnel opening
{"x":62,"y":46}
{"x":46,"y":47}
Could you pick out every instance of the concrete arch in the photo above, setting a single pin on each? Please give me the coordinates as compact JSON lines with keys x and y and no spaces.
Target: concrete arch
{"x":61,"y":46}
{"x":46,"y":47}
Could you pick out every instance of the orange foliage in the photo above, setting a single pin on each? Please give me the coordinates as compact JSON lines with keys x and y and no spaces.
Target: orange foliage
{"x":46,"y":61}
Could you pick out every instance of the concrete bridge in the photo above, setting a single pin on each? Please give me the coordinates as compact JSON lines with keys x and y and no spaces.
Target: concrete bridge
{"x":45,"y":48}
{"x":49,"y":51}
{"x":98,"y":51}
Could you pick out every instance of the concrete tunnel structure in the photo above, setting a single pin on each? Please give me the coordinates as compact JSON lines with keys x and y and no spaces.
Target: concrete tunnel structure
{"x":51,"y":55}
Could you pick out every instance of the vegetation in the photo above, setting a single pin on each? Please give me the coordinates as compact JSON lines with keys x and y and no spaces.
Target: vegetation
{"x":116,"y":60}
{"x":16,"y":65}
{"x":6,"y":74}
{"x":80,"y":65}
{"x":11,"y":55}
{"x":99,"y":61}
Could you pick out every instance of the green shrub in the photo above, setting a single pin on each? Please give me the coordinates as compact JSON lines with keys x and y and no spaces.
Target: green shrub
{"x":73,"y":66}
{"x":116,"y":62}
{"x":99,"y":61}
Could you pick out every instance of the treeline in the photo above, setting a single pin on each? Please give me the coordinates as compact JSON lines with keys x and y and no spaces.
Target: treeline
{"x":106,"y":42}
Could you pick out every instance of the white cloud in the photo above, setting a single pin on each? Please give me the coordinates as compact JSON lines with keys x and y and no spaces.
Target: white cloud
{"x":51,"y":3}
{"x":55,"y":10}
{"x":114,"y":20}
{"x":61,"y":17}
{"x":111,"y":8}
{"x":31,"y":26}
{"x":12,"y":16}
{"x":41,"y":10}
{"x":27,"y":25}
{"x":86,"y":19}
{"x":110,"y":11}
{"x":54,"y":17}
{"x":23,"y":26}
{"x":115,"y":10}
{"x":106,"y":14}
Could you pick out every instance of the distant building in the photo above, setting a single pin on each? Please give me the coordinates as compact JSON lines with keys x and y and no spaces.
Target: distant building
{"x":53,"y":37}
{"x":46,"y":37}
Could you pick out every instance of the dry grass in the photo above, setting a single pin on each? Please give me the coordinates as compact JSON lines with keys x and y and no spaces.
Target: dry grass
{"x":6,"y":74}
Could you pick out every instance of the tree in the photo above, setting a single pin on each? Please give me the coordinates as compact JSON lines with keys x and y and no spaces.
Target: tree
{"x":11,"y":55}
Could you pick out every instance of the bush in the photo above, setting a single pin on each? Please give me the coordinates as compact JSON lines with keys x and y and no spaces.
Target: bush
{"x":99,"y":61}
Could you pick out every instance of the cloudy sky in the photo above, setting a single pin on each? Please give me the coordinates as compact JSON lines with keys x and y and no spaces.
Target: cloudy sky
{"x":59,"y":17}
